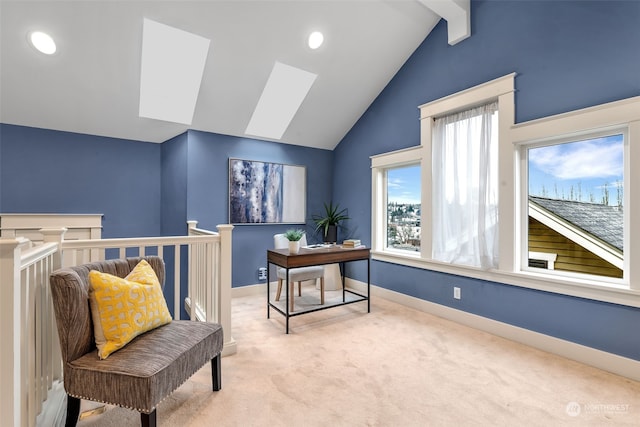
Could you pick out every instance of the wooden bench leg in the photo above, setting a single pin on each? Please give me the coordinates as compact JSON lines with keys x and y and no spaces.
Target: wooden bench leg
{"x":73,"y":411}
{"x":216,"y":372}
{"x":148,"y":420}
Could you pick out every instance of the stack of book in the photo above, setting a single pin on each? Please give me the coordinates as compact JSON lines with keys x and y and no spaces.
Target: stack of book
{"x":351,"y":243}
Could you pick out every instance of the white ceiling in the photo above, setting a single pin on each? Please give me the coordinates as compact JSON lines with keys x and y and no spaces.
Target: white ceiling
{"x":92,"y":84}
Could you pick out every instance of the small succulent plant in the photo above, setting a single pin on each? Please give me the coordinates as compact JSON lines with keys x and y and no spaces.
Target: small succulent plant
{"x":294,"y":234}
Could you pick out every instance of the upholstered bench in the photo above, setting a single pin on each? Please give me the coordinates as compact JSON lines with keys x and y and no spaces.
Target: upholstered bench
{"x":147,"y":369}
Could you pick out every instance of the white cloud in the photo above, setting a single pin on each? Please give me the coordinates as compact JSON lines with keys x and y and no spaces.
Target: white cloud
{"x":582,"y":160}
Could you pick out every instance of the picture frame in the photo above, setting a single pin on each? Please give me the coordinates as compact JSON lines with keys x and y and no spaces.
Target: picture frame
{"x":266,"y":192}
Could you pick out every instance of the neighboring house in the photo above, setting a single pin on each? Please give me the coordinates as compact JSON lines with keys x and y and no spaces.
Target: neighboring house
{"x":575,"y":236}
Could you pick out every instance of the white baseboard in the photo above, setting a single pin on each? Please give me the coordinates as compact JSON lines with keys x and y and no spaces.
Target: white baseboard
{"x":590,"y":356}
{"x":249,"y":290}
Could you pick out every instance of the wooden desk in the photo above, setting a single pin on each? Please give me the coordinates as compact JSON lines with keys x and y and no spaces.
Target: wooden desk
{"x":319,"y":256}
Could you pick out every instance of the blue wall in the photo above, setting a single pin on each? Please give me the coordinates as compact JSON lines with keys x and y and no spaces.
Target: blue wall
{"x":46,"y":171}
{"x":174,"y":211}
{"x":195,"y":184}
{"x":146,"y":189}
{"x":174,"y":186}
{"x":568,"y":55}
{"x":208,"y":181}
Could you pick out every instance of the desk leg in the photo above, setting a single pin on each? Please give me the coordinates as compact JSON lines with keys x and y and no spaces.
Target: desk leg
{"x":268,"y":290}
{"x":342,"y":272}
{"x":368,"y":285}
{"x":286,"y":301}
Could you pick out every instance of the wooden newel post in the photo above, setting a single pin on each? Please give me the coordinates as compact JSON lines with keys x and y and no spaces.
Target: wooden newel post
{"x":12,"y":404}
{"x":224,"y":298}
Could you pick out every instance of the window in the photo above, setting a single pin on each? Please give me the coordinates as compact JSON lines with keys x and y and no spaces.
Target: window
{"x":465,"y":187}
{"x":454,"y":172}
{"x":397,"y":183}
{"x":403,"y":208}
{"x":575,"y":203}
{"x":549,"y":171}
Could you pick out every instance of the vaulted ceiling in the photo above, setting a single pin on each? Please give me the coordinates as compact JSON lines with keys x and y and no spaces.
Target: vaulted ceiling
{"x":92,"y":84}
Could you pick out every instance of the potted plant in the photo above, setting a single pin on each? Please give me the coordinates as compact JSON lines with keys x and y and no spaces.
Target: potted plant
{"x":294,"y":235}
{"x":329,"y":221}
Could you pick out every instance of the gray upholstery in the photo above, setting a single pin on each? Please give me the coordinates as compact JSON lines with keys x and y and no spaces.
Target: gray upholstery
{"x":146,"y":370}
{"x":297,"y":274}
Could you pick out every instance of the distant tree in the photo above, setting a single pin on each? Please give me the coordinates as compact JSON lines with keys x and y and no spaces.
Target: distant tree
{"x":619,"y":193}
{"x":403,"y":233}
{"x":391,"y":235}
{"x":579,"y":191}
{"x":605,"y":194}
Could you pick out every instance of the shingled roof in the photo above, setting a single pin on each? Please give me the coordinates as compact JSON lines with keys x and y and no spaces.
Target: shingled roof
{"x":602,"y":221}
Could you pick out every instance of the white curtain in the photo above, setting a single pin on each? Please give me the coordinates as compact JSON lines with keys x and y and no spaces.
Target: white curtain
{"x":465,"y":187}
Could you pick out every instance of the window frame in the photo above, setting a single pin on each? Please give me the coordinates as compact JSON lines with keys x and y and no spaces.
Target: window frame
{"x":522,"y":153}
{"x":512,"y":137}
{"x":379,"y":166}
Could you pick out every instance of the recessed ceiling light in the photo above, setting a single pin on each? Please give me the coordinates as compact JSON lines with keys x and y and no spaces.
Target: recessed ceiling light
{"x":43,"y":42}
{"x":315,"y":39}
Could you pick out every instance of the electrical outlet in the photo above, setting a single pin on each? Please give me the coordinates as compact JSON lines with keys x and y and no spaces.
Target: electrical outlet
{"x":262,"y":273}
{"x":456,"y":292}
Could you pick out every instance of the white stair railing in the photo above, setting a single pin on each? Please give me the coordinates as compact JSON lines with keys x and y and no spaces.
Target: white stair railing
{"x":30,"y":361}
{"x":209,"y":269}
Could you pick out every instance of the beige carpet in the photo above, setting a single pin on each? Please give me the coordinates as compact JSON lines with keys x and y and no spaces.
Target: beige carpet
{"x":392,"y":367}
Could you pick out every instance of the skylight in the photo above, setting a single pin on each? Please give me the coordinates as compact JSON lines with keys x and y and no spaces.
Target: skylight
{"x":281,"y":98}
{"x":173,"y":63}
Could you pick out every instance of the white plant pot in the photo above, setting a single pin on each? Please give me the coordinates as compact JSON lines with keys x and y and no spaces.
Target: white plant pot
{"x":294,"y":247}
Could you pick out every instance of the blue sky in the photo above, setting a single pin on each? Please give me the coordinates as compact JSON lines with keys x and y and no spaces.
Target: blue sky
{"x":584,"y":166}
{"x":403,"y":185}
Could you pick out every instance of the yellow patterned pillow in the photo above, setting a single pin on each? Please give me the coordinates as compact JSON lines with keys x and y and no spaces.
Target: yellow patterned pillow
{"x":122,"y":309}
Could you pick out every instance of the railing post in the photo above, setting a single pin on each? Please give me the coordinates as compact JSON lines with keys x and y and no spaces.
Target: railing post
{"x":12,"y":404}
{"x":55,"y":235}
{"x":224,"y":299}
{"x":191,"y":276}
{"x":191,"y":225}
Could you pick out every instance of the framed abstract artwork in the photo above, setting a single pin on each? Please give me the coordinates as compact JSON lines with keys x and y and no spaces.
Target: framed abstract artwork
{"x":266,"y":193}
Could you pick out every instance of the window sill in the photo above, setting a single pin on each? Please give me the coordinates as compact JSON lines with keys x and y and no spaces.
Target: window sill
{"x":599,"y":291}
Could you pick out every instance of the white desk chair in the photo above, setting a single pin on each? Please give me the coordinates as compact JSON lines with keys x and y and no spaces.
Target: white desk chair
{"x":297,"y":274}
